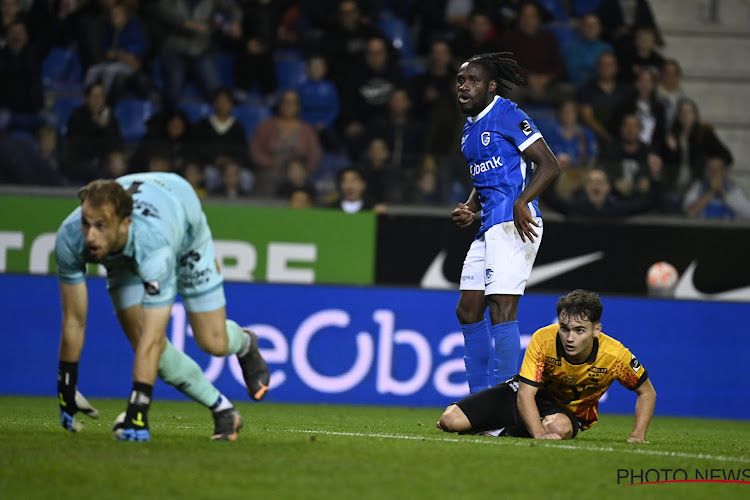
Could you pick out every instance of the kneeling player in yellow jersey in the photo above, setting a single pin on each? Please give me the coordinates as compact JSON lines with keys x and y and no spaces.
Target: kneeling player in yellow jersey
{"x":567,"y":368}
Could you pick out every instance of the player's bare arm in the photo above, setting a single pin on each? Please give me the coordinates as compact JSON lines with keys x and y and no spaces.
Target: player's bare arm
{"x":546,"y":170}
{"x":644,"y":410}
{"x":151,"y":344}
{"x":74,"y":301}
{"x":530,"y":413}
{"x":463,"y":214}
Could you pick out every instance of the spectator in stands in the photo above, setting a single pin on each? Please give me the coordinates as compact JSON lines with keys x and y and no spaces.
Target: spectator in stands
{"x":352,"y":193}
{"x":124,"y":45}
{"x":687,"y":146}
{"x":630,"y":162}
{"x":21,"y":163}
{"x":21,"y":95}
{"x":403,"y":134}
{"x":670,"y":90}
{"x":620,"y":19}
{"x":159,"y":163}
{"x":232,"y":185}
{"x":384,"y":181}
{"x":582,"y":53}
{"x":366,"y":92}
{"x":167,"y":134}
{"x":480,"y":36}
{"x":574,"y":145}
{"x":10,"y":13}
{"x":446,"y":19}
{"x":189,"y":27}
{"x":93,"y":133}
{"x":220,"y":134}
{"x":254,"y":61}
{"x":278,"y":140}
{"x":345,"y":41}
{"x":301,"y":198}
{"x":436,"y":83}
{"x":716,"y":196}
{"x":116,"y":165}
{"x":193,"y":173}
{"x":47,"y":145}
{"x":644,"y":103}
{"x":596,"y":199}
{"x":296,"y":177}
{"x":538,"y":54}
{"x":601,"y":97}
{"x":643,"y":56}
{"x":319,"y":102}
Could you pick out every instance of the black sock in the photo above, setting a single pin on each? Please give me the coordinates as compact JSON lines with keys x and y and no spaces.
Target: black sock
{"x":138,"y":404}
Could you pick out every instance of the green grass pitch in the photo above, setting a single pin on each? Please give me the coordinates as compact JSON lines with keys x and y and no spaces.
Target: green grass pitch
{"x":331,"y":452}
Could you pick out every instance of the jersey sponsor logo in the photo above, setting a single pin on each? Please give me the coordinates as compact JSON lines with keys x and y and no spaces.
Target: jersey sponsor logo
{"x":145,"y":208}
{"x":635,"y":365}
{"x":152,"y":287}
{"x":552,"y":361}
{"x":190,"y":259}
{"x":485,"y":138}
{"x":525,"y":127}
{"x":485,"y":166}
{"x":595,"y":369}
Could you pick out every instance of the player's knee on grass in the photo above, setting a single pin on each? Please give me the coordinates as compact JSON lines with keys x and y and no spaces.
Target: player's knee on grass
{"x":558,"y":423}
{"x":453,"y":419}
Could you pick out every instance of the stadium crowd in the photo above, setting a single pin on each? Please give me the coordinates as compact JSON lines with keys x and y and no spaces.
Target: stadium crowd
{"x":350,"y":104}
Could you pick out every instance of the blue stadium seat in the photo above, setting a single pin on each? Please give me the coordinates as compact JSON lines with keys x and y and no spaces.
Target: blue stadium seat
{"x":195,"y":110}
{"x":132,"y":115}
{"x":397,"y":32}
{"x":225,"y":67}
{"x":290,"y":73}
{"x":62,"y":109}
{"x":555,"y":8}
{"x":581,"y":7}
{"x":62,"y":69}
{"x":250,"y":115}
{"x":564,"y":35}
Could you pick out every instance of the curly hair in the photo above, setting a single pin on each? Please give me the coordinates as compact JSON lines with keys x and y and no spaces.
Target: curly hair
{"x":580,"y":304}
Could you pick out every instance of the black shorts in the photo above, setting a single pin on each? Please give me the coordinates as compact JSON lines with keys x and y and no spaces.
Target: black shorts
{"x":497,"y":408}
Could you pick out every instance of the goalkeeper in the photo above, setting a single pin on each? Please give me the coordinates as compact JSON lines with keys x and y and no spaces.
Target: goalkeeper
{"x":150,"y":233}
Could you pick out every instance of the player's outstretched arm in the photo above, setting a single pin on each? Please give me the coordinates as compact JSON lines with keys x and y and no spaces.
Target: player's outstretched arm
{"x":546,"y":170}
{"x":530,"y":413}
{"x":644,"y":410}
{"x":74,"y":301}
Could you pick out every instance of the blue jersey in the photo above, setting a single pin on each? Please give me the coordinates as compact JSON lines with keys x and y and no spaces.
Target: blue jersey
{"x":492,"y":143}
{"x":166,"y":219}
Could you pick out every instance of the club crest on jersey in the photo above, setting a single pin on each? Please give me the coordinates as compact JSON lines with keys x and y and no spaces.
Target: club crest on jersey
{"x":485,"y":138}
{"x":525,"y":127}
{"x":489,"y":273}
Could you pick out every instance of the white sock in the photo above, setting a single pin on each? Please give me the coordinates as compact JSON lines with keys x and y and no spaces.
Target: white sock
{"x":248,"y":344}
{"x":221,"y":404}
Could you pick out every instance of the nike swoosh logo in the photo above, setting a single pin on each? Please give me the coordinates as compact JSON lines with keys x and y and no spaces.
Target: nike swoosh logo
{"x":685,"y":289}
{"x":546,"y":272}
{"x":434,"y":277}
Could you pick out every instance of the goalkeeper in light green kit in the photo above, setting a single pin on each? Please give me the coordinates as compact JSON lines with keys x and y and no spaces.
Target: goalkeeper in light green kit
{"x":151,"y":234}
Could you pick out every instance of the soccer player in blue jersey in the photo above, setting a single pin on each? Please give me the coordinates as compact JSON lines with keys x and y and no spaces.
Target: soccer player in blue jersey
{"x":150,"y":233}
{"x":499,"y":142}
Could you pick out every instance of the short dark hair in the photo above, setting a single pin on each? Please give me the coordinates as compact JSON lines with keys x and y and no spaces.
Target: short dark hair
{"x":101,"y":192}
{"x":356,"y":170}
{"x":580,"y":304}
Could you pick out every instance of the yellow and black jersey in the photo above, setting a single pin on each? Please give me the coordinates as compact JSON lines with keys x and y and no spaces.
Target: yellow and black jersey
{"x":578,"y":387}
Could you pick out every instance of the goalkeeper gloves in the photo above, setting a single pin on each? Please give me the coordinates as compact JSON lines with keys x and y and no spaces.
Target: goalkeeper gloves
{"x":70,"y":400}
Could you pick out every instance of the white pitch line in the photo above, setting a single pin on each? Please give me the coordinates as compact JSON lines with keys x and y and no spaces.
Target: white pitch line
{"x":506,"y":442}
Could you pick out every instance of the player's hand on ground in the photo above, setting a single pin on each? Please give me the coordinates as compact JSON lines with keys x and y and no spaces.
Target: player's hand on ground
{"x":70,"y":405}
{"x":524,"y":222}
{"x":462,"y":215}
{"x":550,"y":436}
{"x":633,"y":439}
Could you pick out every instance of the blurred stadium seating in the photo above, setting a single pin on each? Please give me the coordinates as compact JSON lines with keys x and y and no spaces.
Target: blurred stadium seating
{"x":132,"y":115}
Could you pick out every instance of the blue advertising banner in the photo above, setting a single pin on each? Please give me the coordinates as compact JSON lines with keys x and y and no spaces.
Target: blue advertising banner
{"x":377,"y":346}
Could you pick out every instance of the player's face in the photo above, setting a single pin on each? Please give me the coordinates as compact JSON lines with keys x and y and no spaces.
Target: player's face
{"x":577,"y":336}
{"x":104,"y":233}
{"x":475,"y":91}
